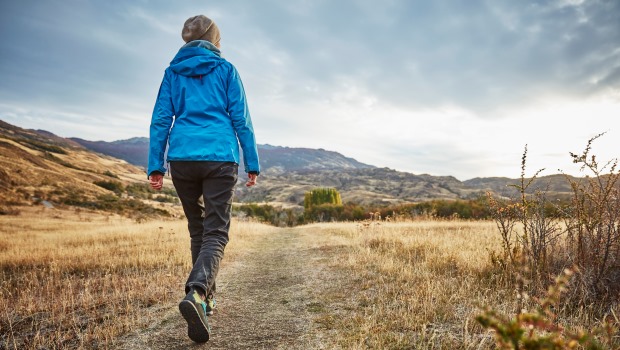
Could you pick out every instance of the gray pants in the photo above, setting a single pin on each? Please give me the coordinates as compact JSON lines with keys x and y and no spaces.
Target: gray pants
{"x":211,"y":183}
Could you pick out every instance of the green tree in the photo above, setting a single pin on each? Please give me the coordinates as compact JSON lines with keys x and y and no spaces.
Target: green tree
{"x":323,"y":204}
{"x":320,"y":196}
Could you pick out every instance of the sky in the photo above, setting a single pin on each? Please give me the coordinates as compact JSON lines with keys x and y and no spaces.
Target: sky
{"x":451,"y":88}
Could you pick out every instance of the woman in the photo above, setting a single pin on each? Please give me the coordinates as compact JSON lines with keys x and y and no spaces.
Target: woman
{"x":202,"y":115}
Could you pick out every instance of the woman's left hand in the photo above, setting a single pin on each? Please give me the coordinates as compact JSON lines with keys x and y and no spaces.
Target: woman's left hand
{"x":156,"y":181}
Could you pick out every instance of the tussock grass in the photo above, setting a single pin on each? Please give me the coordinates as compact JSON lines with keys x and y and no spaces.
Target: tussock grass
{"x":419,"y":285}
{"x":78,"y":280}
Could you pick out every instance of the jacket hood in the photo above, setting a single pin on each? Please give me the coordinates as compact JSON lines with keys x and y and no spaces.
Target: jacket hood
{"x":196,"y":58}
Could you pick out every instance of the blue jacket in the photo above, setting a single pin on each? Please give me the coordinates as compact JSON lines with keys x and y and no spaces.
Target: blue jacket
{"x":201,"y":112}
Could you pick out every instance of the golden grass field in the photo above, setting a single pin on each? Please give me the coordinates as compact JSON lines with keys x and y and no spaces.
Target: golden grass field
{"x":416,"y":285}
{"x":80,"y":280}
{"x":71,"y":280}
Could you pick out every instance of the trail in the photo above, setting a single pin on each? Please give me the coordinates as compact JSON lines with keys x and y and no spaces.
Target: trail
{"x":266,"y":300}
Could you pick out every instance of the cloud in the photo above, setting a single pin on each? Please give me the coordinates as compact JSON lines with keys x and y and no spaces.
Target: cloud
{"x":82,"y":58}
{"x":423,"y":86}
{"x":484,"y":56}
{"x":480,"y":55}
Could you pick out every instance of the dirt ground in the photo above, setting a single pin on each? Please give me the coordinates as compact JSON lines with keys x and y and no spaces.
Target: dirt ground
{"x":266,"y":300}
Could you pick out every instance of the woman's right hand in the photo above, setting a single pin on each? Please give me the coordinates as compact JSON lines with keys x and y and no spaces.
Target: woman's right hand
{"x":251,"y":180}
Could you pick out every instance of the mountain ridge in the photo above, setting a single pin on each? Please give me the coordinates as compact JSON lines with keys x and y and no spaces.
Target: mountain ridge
{"x":281,"y":158}
{"x":287,"y":172}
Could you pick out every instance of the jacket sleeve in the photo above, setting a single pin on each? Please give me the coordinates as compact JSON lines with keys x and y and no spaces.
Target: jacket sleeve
{"x":242,"y":122}
{"x":161,"y":122}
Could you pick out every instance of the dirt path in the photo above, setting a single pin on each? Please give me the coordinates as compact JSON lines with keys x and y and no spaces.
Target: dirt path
{"x":266,"y":300}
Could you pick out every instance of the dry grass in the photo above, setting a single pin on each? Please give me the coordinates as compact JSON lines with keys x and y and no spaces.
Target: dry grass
{"x":419,"y":285}
{"x":415,"y":285}
{"x":78,"y":280}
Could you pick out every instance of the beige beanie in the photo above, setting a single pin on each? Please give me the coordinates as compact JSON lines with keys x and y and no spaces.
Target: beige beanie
{"x":201,"y":28}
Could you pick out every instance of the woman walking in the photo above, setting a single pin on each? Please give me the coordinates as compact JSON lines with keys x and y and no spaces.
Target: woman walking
{"x":202,"y":116}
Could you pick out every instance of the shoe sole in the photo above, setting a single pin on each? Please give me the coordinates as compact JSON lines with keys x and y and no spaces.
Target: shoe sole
{"x":196,"y":329}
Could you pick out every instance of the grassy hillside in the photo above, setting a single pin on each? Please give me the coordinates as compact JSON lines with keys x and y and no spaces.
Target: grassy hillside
{"x":38,"y":166}
{"x":134,"y":150}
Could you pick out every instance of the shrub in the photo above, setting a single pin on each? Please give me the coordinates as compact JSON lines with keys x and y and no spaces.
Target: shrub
{"x":49,"y":156}
{"x":353,"y":212}
{"x":324,"y":212}
{"x":8,"y":210}
{"x":110,"y":174}
{"x":113,"y":186}
{"x":42,"y":146}
{"x":445,"y":209}
{"x":539,"y":242}
{"x":167,"y":199}
{"x":144,"y":191}
{"x":593,"y":225}
{"x":538,"y":328}
{"x":276,"y":216}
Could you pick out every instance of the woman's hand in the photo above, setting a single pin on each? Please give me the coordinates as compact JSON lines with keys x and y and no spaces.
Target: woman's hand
{"x":251,"y":180}
{"x":156,"y":181}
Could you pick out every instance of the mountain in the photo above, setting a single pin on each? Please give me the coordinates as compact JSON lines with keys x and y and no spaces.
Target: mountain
{"x":556,"y":186}
{"x":363,"y":186}
{"x":388,"y":186}
{"x":134,"y":150}
{"x":36,"y":163}
{"x":287,"y":173}
{"x":275,"y":158}
{"x":278,"y":159}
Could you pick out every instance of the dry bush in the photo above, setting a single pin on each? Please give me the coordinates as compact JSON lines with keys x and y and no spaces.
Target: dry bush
{"x":593,"y":226}
{"x":585,"y":235}
{"x":536,"y":246}
{"x":9,"y":210}
{"x":538,"y":328}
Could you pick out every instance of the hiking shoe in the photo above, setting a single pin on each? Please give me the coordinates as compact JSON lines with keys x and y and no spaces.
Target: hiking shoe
{"x":193,"y":309}
{"x":210,"y":305}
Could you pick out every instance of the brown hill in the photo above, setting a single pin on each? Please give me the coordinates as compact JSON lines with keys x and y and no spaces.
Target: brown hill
{"x":556,"y":186}
{"x":387,"y":186}
{"x":362,"y":186}
{"x":39,"y":166}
